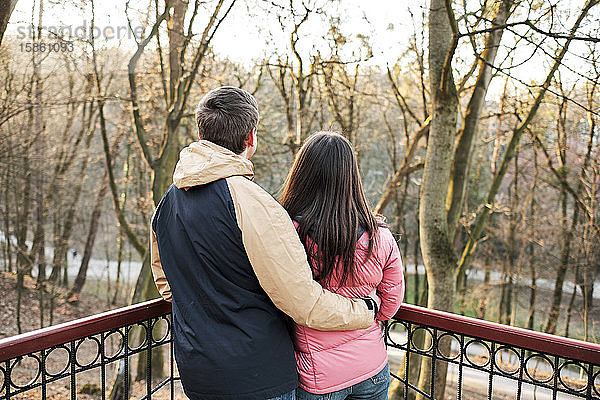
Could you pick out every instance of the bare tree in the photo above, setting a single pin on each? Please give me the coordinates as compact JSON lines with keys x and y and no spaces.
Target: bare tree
{"x":6,"y":9}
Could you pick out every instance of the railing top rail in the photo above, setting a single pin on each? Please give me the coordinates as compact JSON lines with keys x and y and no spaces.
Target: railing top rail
{"x":55,"y":335}
{"x":504,"y":334}
{"x":37,"y":340}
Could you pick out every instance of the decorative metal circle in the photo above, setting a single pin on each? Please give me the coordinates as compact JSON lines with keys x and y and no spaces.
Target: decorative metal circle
{"x":575,"y":382}
{"x":112,"y":337}
{"x":3,"y":380}
{"x":83,"y":343}
{"x":19,"y":364}
{"x":596,"y":382}
{"x":532,"y":368}
{"x":427,"y":338}
{"x":156,"y":326}
{"x":507,"y":360}
{"x":395,"y":324}
{"x":53,"y":359}
{"x":477,"y":353}
{"x":397,"y":334}
{"x":452,"y":342}
{"x":137,"y":336}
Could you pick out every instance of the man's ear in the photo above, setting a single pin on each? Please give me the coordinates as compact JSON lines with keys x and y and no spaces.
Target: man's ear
{"x":251,"y":138}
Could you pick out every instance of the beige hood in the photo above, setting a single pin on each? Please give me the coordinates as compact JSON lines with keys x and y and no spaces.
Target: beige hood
{"x":203,"y":162}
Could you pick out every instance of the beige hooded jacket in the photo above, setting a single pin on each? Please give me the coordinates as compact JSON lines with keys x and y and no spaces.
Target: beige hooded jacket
{"x":270,"y":240}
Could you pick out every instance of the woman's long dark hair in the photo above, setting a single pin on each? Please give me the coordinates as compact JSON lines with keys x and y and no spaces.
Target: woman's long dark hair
{"x":324,"y":189}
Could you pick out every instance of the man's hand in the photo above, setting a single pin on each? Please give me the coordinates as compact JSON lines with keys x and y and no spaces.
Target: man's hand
{"x":374,"y":296}
{"x":373,"y":302}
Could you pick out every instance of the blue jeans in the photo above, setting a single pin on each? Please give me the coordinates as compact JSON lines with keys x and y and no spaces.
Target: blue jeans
{"x":286,"y":396}
{"x":373,"y":388}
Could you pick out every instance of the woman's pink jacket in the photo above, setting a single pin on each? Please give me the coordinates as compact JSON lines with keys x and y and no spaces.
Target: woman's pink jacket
{"x":331,"y":361}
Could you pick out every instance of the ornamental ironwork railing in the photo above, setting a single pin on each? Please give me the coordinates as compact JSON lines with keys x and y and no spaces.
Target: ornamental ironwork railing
{"x":128,"y":353}
{"x":95,"y":357}
{"x":485,"y":360}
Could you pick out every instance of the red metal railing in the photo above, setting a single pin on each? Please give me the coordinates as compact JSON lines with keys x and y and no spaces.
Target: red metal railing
{"x":532,"y":340}
{"x":496,"y":338}
{"x":40,"y":339}
{"x":58,"y":334}
{"x":491,"y":360}
{"x":30,"y":364}
{"x":502,"y":334}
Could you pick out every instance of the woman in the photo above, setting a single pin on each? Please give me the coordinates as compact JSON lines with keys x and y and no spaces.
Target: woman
{"x":351,"y":253}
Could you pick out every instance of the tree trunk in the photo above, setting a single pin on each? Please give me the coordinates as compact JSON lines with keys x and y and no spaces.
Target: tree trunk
{"x":567,"y":232}
{"x":73,"y":294}
{"x":533,"y":291}
{"x":56,"y":233}
{"x":502,"y":297}
{"x":590,"y":270}
{"x":531,"y":248}
{"x":436,"y":245}
{"x":7,"y":235}
{"x":38,"y":247}
{"x":513,"y":193}
{"x":415,"y":360}
{"x":506,"y":296}
{"x":59,"y":261}
{"x":146,"y":289}
{"x":396,"y":391}
{"x":592,"y":245}
{"x":117,"y":392}
{"x":120,"y":239}
{"x":570,"y":309}
{"x":177,"y":38}
{"x":41,"y":251}
{"x":119,"y":264}
{"x":20,"y":288}
{"x":41,"y":289}
{"x":416,"y":248}
{"x":565,"y":256}
{"x":468,"y":131}
{"x":24,"y":263}
{"x":485,"y":289}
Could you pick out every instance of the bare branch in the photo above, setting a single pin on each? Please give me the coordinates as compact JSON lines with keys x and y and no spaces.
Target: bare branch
{"x":404,"y":169}
{"x":138,"y":123}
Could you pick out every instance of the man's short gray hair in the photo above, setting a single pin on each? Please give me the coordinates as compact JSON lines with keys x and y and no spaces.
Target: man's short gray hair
{"x":226,"y":116}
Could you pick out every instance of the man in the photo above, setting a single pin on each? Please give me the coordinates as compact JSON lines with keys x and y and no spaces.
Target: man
{"x":229,"y":256}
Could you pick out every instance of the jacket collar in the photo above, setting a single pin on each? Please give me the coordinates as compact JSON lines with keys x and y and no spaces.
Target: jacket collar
{"x":203,"y":162}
